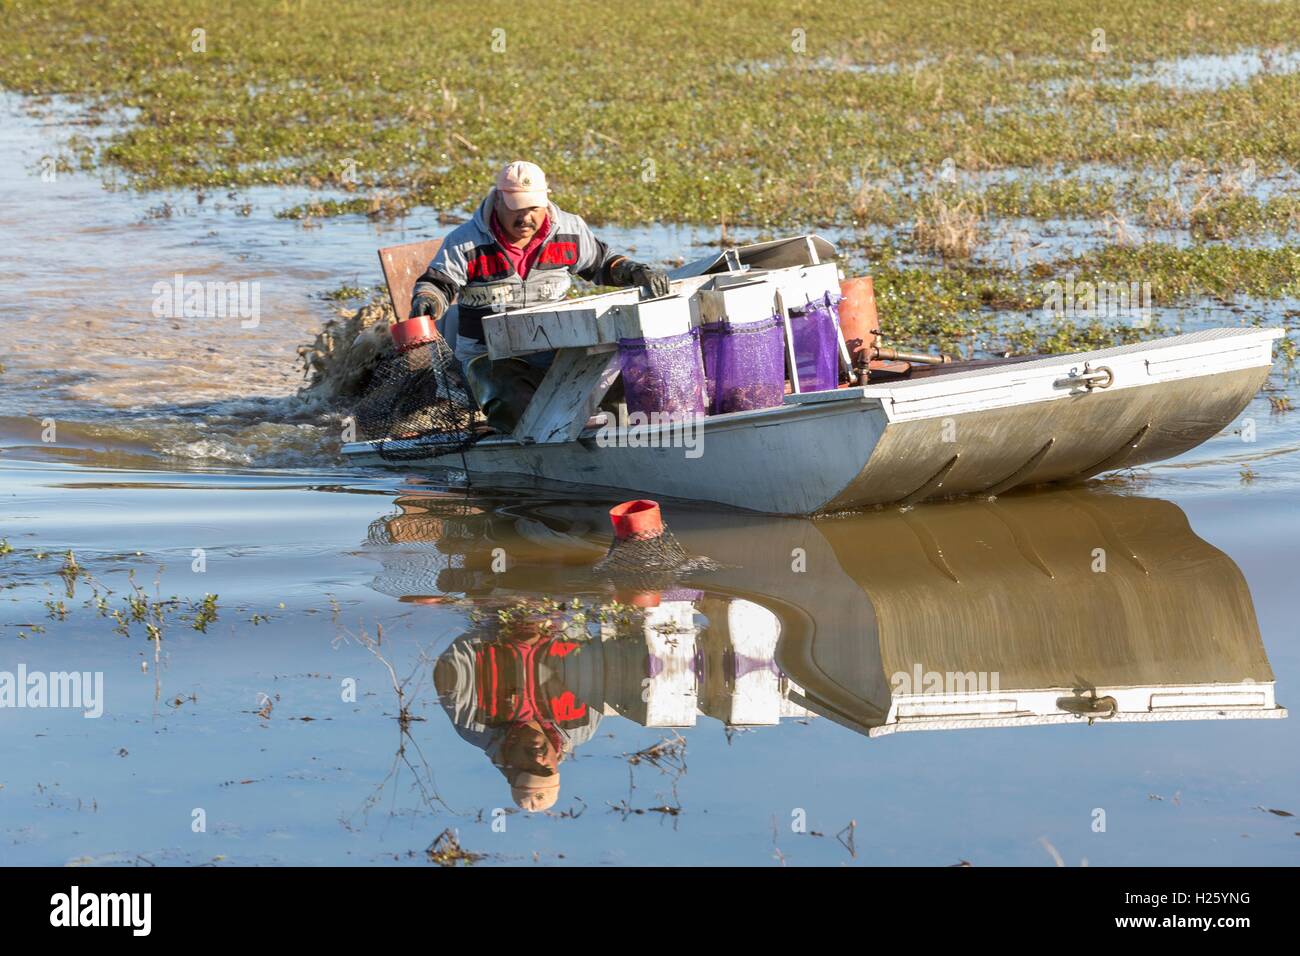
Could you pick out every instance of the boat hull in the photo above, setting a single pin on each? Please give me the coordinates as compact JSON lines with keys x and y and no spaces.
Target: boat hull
{"x":984,"y":431}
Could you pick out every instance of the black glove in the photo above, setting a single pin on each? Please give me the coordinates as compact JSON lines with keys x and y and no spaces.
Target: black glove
{"x":426,"y":304}
{"x":653,"y":279}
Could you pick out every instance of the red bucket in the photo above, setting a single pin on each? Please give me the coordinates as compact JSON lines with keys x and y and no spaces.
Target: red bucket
{"x":409,"y":333}
{"x":640,"y":518}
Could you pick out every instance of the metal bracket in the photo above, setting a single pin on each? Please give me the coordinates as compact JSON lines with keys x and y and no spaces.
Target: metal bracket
{"x":1088,"y":379}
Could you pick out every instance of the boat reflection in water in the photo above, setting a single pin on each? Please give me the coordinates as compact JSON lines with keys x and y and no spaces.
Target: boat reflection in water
{"x":1059,"y":607}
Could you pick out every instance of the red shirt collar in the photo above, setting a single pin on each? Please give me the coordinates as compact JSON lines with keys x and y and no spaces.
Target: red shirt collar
{"x":499,"y":234}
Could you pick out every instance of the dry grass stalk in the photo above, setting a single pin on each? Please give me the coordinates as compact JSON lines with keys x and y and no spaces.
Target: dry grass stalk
{"x":950,"y":230}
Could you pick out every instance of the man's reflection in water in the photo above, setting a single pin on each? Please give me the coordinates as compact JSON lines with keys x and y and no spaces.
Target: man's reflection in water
{"x":500,"y":685}
{"x":530,"y":683}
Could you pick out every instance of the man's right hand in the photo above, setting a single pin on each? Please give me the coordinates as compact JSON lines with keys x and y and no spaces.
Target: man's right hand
{"x":625,"y":272}
{"x":651,"y":278}
{"x":426,"y":304}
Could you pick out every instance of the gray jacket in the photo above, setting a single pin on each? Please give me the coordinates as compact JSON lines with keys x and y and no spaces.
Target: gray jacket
{"x":471,"y":270}
{"x":467,"y":666}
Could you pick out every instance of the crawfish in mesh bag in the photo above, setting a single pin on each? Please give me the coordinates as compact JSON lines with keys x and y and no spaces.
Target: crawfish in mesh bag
{"x":418,"y":403}
{"x":645,"y":553}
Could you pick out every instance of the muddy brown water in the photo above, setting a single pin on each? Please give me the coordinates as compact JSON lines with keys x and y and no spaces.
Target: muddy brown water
{"x":1106,"y":668}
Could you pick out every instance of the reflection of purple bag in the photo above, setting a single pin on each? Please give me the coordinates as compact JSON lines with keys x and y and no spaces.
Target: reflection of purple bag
{"x":816,"y":348}
{"x":744,"y":365}
{"x":663,"y":375}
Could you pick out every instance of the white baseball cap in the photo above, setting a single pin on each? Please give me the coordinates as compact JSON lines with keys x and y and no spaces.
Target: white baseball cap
{"x":522,"y":184}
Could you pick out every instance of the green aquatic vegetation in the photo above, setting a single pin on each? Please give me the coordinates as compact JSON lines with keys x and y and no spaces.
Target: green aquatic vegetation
{"x":1061,"y":336}
{"x":1282,"y":213}
{"x":1243,"y":214}
{"x":918,"y":307}
{"x":121,"y":623}
{"x":752,"y":117}
{"x":373,"y":207}
{"x":1227,"y":217}
{"x":138,"y":608}
{"x":1286,"y":350}
{"x":1032,"y":196}
{"x":1052,"y":198}
{"x":205,"y":612}
{"x":345,"y":292}
{"x":1181,"y":274}
{"x":1173,"y":275}
{"x":963,"y":310}
{"x":972,"y":310}
{"x":571,"y":618}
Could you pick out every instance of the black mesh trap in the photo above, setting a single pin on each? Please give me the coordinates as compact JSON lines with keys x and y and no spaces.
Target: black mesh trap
{"x":418,"y":405}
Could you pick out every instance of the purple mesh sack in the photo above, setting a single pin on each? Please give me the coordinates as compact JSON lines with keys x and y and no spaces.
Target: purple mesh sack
{"x":663,"y":375}
{"x":816,"y":349}
{"x":744,"y":365}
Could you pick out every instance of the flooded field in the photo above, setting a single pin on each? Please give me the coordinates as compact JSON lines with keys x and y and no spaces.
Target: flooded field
{"x":281,"y":659}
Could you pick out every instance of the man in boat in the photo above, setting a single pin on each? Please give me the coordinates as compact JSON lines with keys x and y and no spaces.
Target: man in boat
{"x":518,"y":250}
